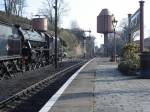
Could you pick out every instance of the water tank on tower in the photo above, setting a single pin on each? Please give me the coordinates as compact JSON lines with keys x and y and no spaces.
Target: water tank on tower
{"x":104,"y":22}
{"x":39,"y":24}
{"x":104,"y":25}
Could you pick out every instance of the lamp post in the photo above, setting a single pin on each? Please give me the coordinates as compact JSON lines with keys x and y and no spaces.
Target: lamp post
{"x":114,"y":24}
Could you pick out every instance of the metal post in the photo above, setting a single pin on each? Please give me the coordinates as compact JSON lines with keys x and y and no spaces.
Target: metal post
{"x":114,"y":23}
{"x":141,"y":25}
{"x":106,"y":44}
{"x":129,"y":28}
{"x":114,"y":46}
{"x":55,"y":33}
{"x":84,"y":43}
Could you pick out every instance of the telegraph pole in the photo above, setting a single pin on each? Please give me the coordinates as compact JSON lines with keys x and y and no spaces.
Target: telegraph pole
{"x":55,"y":7}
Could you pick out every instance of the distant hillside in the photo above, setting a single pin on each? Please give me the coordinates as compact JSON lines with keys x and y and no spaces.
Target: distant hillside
{"x":12,"y":19}
{"x":73,"y":45}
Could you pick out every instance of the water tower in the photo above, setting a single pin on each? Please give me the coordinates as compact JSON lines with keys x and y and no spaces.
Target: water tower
{"x":104,"y":25}
{"x":40,"y":23}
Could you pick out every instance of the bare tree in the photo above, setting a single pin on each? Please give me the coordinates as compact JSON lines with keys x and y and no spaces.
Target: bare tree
{"x":21,"y":4}
{"x":125,"y":30}
{"x":14,"y":7}
{"x":49,"y":12}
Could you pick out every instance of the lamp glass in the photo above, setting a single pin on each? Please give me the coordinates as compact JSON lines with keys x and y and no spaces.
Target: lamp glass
{"x":114,"y":23}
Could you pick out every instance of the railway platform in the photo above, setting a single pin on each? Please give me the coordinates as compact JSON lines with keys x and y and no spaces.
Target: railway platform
{"x":99,"y":87}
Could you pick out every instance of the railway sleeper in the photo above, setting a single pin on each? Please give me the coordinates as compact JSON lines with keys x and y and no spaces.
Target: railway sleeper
{"x":45,"y":85}
{"x":11,"y":105}
{"x":23,"y":98}
{"x":37,"y":89}
{"x":30,"y":92}
{"x":24,"y":94}
{"x":18,"y":101}
{"x":27,"y":93}
{"x":41,"y":87}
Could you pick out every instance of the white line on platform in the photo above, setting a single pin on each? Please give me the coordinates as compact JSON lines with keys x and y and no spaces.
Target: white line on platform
{"x":56,"y":96}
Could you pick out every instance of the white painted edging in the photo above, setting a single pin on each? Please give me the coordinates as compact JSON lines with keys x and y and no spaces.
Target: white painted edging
{"x":56,"y":96}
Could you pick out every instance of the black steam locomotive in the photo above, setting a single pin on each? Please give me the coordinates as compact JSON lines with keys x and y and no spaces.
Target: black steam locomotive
{"x":24,"y":49}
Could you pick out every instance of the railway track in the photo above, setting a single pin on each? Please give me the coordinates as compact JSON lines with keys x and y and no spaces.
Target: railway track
{"x":57,"y":79}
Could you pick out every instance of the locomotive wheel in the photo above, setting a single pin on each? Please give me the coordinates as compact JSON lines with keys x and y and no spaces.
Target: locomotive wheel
{"x":4,"y":73}
{"x":14,"y":66}
{"x":23,"y":68}
{"x":37,"y":65}
{"x":27,"y":67}
{"x":18,"y":65}
{"x":32,"y":66}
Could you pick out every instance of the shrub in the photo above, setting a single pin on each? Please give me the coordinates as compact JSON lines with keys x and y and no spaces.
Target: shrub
{"x":127,"y":67}
{"x":130,"y":60}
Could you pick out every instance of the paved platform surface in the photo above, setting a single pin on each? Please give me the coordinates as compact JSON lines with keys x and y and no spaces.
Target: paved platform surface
{"x":99,"y":87}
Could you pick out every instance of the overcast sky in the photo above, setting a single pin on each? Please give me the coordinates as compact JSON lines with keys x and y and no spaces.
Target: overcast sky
{"x":85,"y":12}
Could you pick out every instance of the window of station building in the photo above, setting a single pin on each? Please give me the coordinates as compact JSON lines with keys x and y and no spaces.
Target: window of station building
{"x":6,"y":31}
